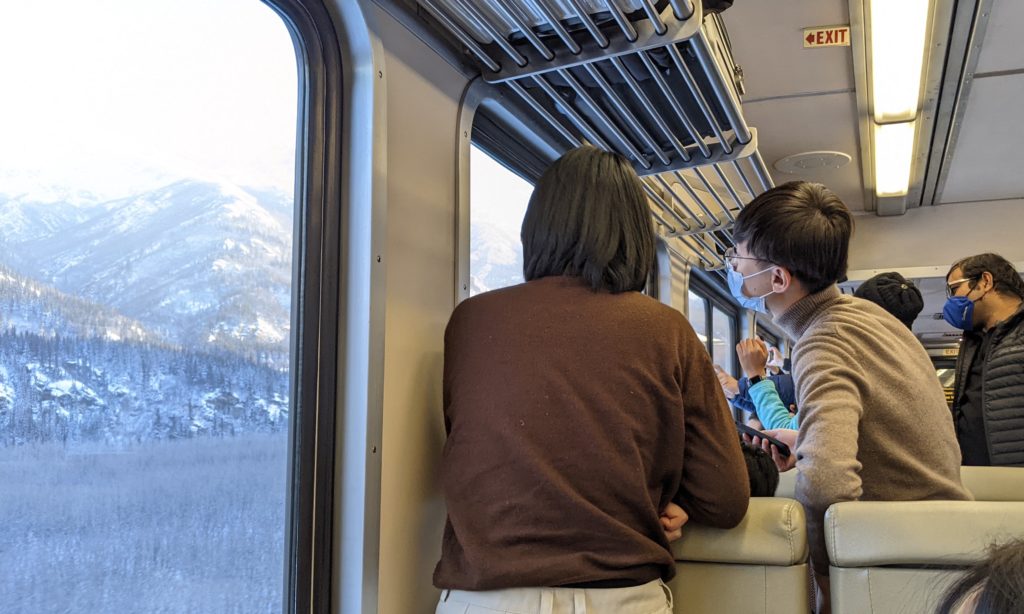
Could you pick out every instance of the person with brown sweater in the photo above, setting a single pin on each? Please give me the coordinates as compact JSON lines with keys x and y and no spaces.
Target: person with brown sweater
{"x":578,"y":411}
{"x":873,"y":418}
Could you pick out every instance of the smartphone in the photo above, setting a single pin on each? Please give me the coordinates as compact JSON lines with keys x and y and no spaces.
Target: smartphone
{"x":783,"y":448}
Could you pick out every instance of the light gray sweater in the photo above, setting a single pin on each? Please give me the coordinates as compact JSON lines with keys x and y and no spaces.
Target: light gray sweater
{"x":874,"y":424}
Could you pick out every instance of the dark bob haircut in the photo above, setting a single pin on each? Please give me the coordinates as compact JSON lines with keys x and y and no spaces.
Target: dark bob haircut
{"x":801,"y":226}
{"x":996,"y":584}
{"x":1005,"y":278}
{"x":588,"y":218}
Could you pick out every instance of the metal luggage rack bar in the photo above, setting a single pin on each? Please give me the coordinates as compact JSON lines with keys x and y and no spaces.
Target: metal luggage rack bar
{"x":631,"y":77}
{"x":697,"y":206}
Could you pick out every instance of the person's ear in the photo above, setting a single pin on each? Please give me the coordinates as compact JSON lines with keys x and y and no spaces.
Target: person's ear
{"x":985,"y":282}
{"x":782,"y":279}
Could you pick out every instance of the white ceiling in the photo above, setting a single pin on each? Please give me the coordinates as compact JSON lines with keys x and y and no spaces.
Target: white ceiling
{"x":1001,"y":49}
{"x":798,"y":99}
{"x":786,"y":126}
{"x":802,"y":99}
{"x":987,"y":155}
{"x":987,"y":158}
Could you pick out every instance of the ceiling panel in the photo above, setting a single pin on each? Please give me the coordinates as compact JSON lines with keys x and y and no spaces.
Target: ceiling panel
{"x":767,"y":42}
{"x":1001,"y":49}
{"x":787,"y":126}
{"x":987,"y":155}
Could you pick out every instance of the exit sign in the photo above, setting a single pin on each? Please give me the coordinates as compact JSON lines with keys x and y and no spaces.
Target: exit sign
{"x":827,"y":36}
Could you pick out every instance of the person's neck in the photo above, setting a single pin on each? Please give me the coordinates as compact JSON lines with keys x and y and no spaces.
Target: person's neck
{"x":1003,"y":307}
{"x":780,"y":303}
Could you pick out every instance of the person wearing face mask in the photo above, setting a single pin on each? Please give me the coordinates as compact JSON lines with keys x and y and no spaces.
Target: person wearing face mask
{"x":874,"y":425}
{"x":985,"y":301}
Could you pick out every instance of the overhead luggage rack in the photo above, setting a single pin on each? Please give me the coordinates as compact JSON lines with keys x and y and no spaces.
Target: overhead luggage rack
{"x":651,"y":80}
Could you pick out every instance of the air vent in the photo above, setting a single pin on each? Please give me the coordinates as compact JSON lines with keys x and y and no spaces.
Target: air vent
{"x":812,"y":161}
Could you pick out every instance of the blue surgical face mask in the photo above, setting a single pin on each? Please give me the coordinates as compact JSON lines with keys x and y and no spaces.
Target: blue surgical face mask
{"x":735,"y":279}
{"x":959,"y":312}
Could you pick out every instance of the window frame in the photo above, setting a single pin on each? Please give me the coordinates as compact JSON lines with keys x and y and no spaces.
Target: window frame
{"x":477,"y":95}
{"x":732,"y":335}
{"x":715,"y":298}
{"x":332,"y":532}
{"x":315,"y":307}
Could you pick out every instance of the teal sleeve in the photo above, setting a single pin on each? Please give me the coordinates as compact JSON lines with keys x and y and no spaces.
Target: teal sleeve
{"x":771,"y":411}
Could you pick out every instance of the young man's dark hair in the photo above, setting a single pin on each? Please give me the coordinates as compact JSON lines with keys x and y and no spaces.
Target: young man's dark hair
{"x":993,"y":586}
{"x":764,"y":475}
{"x":801,"y":226}
{"x":588,"y":218}
{"x":1005,"y":278}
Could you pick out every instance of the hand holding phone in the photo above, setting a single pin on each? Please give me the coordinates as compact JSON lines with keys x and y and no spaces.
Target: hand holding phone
{"x":783,"y":448}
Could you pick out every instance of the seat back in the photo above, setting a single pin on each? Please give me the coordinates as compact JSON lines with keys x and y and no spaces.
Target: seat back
{"x":758,"y":567}
{"x":901,"y":556}
{"x":994,"y":483}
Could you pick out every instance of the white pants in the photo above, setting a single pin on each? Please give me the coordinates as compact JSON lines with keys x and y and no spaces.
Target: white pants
{"x":651,"y":598}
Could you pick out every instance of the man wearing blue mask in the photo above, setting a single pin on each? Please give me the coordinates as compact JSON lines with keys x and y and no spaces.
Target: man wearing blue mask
{"x":985,"y":301}
{"x":874,"y":424}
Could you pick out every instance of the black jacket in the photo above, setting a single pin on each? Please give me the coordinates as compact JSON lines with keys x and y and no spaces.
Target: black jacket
{"x":1002,"y":388}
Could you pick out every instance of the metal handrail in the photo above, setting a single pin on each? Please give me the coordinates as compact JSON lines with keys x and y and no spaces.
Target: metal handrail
{"x":675,"y":104}
{"x":652,"y":14}
{"x":595,"y":73}
{"x":743,"y":176}
{"x":603,"y":117}
{"x":691,"y":84}
{"x":588,"y":23}
{"x":726,"y":98}
{"x":556,"y":26}
{"x":682,"y":9}
{"x":491,"y":31}
{"x":576,"y":118}
{"x":620,"y":18}
{"x":543,"y":112}
{"x":511,"y":14}
{"x":638,"y":91}
{"x":461,"y":34}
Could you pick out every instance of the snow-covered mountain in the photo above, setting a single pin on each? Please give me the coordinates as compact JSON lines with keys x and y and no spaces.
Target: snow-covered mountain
{"x":74,"y":371}
{"x":201,"y":264}
{"x":495,"y":256}
{"x":27,"y":306}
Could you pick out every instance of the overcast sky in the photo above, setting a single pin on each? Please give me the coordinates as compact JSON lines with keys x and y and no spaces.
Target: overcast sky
{"x":112,"y":95}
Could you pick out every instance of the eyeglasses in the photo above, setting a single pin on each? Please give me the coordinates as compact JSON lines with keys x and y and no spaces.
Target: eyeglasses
{"x":730,"y":256}
{"x":953,"y":285}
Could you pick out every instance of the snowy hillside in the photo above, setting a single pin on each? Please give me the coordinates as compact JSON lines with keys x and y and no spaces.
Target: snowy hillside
{"x":203,"y":265}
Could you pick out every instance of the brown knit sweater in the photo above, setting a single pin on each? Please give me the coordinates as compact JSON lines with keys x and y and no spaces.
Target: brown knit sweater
{"x":874,"y":424}
{"x":573,"y":418}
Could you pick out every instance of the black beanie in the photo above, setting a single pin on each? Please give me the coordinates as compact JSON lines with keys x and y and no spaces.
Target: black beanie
{"x":893,"y":293}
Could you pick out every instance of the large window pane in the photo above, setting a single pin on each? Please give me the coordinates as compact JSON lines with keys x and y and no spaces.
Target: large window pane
{"x":498,"y":200}
{"x":698,"y":316}
{"x":146,"y":204}
{"x":723,"y":343}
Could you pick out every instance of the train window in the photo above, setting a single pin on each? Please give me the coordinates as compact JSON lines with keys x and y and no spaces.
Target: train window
{"x":498,"y":200}
{"x":146,"y":206}
{"x":698,"y":310}
{"x":723,"y":344}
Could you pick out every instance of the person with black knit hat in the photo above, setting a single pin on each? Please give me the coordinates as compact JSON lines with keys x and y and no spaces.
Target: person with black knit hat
{"x":895,"y":294}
